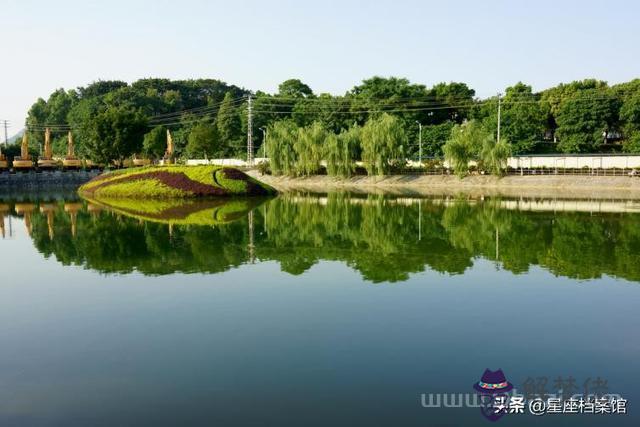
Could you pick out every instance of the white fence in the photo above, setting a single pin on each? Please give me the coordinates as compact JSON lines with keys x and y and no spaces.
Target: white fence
{"x":526,"y":162}
{"x":225,"y":162}
{"x":575,"y":161}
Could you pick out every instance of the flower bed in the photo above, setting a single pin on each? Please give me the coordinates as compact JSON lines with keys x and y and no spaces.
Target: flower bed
{"x":175,"y":182}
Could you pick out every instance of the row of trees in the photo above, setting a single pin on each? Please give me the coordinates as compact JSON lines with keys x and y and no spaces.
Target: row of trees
{"x":381,"y":144}
{"x":297,"y":151}
{"x":112,"y":119}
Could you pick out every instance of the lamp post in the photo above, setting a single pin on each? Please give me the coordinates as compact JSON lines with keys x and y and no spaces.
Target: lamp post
{"x":499,"y":118}
{"x":419,"y":143}
{"x":264,"y":142}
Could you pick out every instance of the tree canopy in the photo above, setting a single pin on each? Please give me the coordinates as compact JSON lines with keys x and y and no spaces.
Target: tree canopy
{"x":585,"y":116}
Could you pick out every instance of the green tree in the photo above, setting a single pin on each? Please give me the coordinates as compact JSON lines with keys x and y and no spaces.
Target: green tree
{"x":383,"y":142}
{"x":309,"y":148}
{"x":398,"y":96}
{"x":583,"y":119}
{"x":464,"y":145}
{"x":114,"y":134}
{"x":331,"y":111}
{"x":630,"y":120}
{"x":154,"y":144}
{"x":434,"y":137}
{"x":229,"y":126}
{"x":294,"y":88}
{"x":494,"y":155}
{"x":341,"y":152}
{"x":79,"y":118}
{"x":283,"y":135}
{"x":203,"y":140}
{"x":523,"y":117}
{"x":455,"y":96}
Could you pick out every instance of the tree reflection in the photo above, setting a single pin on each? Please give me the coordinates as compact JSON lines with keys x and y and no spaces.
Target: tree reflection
{"x":380,"y":237}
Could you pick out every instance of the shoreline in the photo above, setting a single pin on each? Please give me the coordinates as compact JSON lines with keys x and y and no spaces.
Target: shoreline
{"x":546,"y":186}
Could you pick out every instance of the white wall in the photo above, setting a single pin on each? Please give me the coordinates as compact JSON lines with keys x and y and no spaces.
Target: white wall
{"x":224,"y":162}
{"x":590,"y":161}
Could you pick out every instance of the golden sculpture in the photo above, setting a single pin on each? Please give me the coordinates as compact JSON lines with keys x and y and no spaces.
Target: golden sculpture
{"x":169,"y":144}
{"x":71,"y":149}
{"x":3,"y":160}
{"x":47,"y":162}
{"x":71,"y":161}
{"x":24,"y":147}
{"x":24,"y":161}
{"x":48,"y":152}
{"x":168,"y":155}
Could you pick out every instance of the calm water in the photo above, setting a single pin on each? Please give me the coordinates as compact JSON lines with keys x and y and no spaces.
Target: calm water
{"x":311,"y":309}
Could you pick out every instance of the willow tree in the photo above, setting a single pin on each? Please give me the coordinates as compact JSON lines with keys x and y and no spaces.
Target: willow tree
{"x":463,"y":146}
{"x":309,"y":148}
{"x":280,"y":149}
{"x":341,"y":152}
{"x":383,"y":142}
{"x":470,"y":141}
{"x":494,"y":155}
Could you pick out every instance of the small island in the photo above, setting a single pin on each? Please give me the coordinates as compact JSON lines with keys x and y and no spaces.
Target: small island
{"x":164,"y":182}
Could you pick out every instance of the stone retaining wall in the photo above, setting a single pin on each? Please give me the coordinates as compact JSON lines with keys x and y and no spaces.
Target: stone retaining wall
{"x":43,"y":180}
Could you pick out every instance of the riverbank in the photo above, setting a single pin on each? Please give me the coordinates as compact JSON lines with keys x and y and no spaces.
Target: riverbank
{"x":547,"y":186}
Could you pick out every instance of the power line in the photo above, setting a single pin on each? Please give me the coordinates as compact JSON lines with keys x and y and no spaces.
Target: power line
{"x":197,"y":110}
{"x":204,"y":113}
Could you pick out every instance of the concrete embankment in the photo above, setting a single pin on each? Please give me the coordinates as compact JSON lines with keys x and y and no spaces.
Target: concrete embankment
{"x":547,"y":186}
{"x":38,"y":181}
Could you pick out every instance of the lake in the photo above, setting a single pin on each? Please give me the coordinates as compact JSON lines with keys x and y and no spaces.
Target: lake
{"x":312,"y":309}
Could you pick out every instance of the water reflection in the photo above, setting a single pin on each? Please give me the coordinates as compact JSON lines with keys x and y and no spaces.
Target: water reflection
{"x":385,"y":239}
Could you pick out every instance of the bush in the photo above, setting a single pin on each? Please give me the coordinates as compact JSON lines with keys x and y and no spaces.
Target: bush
{"x":264,"y":168}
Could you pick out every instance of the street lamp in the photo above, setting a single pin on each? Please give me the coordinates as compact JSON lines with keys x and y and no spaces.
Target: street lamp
{"x":419,"y":143}
{"x":264,"y":142}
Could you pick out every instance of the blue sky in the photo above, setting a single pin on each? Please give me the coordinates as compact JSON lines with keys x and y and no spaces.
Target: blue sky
{"x":330,"y":45}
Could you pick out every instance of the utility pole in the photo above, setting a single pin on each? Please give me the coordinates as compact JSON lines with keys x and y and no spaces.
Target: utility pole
{"x":250,"y":133}
{"x":498,"y":139}
{"x":419,"y":142}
